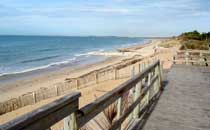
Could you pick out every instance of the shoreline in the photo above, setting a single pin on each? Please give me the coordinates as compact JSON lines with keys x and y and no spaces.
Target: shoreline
{"x":89,"y":93}
{"x":16,"y":76}
{"x":15,"y":85}
{"x":88,"y":58}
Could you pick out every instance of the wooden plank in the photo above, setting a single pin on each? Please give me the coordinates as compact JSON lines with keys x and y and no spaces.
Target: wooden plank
{"x":70,"y":122}
{"x":194,"y":61}
{"x":137,"y":94}
{"x":119,"y":110}
{"x":91,"y":110}
{"x":44,"y":117}
{"x":194,"y":51}
{"x":135,"y":103}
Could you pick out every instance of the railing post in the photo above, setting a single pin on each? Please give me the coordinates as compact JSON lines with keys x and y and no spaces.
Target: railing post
{"x":187,"y":57}
{"x":143,"y":67}
{"x":70,"y":122}
{"x":157,"y":82}
{"x":137,"y":94}
{"x":119,"y":109}
{"x":160,"y":73}
{"x":132,"y":75}
{"x":148,"y":92}
{"x":131,"y":92}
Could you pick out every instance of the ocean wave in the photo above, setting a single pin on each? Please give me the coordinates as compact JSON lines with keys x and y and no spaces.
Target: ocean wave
{"x":39,"y":59}
{"x":89,"y":53}
{"x":71,"y":60}
{"x":41,"y":67}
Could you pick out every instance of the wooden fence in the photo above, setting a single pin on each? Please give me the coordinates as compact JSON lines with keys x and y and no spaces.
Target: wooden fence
{"x":113,"y":72}
{"x":142,"y":88}
{"x":193,"y":57}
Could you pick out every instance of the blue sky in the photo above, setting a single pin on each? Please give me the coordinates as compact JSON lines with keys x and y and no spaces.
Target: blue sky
{"x":103,"y":17}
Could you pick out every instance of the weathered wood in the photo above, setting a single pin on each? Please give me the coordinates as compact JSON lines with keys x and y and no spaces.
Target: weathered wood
{"x":73,"y":121}
{"x":96,"y":77}
{"x":194,"y":57}
{"x":184,"y":104}
{"x":44,"y":117}
{"x":34,"y":96}
{"x":56,"y":90}
{"x":148,"y":83}
{"x":193,"y":51}
{"x":91,"y":110}
{"x":77,"y":83}
{"x":70,"y":122}
{"x":194,"y":61}
{"x":132,"y":75}
{"x":115,"y":74}
{"x":186,"y":57}
{"x":134,"y":104}
{"x":119,"y":110}
{"x":137,"y":94}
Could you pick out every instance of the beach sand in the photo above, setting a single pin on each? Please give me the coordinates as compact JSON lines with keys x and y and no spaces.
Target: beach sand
{"x":89,"y":93}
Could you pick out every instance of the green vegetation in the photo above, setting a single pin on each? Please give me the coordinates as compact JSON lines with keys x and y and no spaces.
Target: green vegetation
{"x":195,"y":40}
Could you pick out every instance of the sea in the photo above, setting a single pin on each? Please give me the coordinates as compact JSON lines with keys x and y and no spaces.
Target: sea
{"x":20,"y":54}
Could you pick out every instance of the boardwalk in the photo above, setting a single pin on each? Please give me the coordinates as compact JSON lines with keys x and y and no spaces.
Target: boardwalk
{"x":185,"y":103}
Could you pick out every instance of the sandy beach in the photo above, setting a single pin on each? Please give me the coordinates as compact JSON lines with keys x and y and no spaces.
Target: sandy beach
{"x":89,"y":94}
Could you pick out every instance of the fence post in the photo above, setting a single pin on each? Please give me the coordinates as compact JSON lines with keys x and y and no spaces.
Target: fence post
{"x":201,"y":58}
{"x":96,"y":77}
{"x":77,"y":83}
{"x":191,"y":60}
{"x":56,"y":90}
{"x":174,"y":59}
{"x":115,"y":74}
{"x":34,"y":96}
{"x":119,"y":109}
{"x":187,"y":57}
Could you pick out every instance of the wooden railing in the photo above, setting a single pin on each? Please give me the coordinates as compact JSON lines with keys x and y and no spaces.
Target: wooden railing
{"x":142,"y":88}
{"x":43,"y":118}
{"x":194,"y":57}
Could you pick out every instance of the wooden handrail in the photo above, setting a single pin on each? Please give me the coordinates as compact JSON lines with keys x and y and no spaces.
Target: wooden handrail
{"x":133,"y":105}
{"x":89,"y":111}
{"x":192,"y":56}
{"x":43,"y":118}
{"x":74,"y":118}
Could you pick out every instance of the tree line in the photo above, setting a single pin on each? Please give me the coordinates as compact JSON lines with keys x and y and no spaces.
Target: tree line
{"x":195,"y":35}
{"x":195,"y":40}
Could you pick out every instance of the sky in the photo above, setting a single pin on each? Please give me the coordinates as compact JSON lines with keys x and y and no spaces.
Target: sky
{"x":103,"y":17}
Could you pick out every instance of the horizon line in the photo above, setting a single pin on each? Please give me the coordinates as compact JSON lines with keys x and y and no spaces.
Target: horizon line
{"x":87,"y":36}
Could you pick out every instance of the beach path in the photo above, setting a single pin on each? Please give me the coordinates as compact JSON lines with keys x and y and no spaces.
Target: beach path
{"x":185,"y":101}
